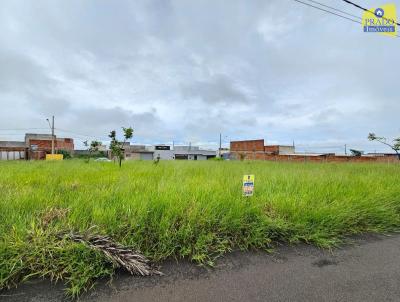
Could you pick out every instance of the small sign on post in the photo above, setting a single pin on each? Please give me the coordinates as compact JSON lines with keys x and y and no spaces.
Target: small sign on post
{"x":248,"y":185}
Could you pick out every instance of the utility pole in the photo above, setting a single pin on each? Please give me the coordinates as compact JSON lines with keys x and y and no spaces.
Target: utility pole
{"x":52,"y":136}
{"x":52,"y":133}
{"x":220,"y":145}
{"x":345,"y":149}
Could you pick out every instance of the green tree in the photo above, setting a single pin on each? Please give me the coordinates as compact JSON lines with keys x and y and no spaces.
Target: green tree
{"x":92,"y":148}
{"x":395,"y":145}
{"x":66,"y":154}
{"x":117,"y":147}
{"x":355,"y":152}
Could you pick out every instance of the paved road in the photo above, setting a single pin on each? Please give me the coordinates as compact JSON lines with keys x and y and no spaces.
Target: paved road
{"x":367,"y":270}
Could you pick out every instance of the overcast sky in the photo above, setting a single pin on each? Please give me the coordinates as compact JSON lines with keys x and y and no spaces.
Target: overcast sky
{"x":187,"y":70}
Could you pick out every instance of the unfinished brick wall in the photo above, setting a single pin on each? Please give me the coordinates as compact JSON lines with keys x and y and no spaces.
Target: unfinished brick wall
{"x":274,"y":149}
{"x":65,"y":144}
{"x":59,"y":144}
{"x":250,"y":145}
{"x":309,"y":158}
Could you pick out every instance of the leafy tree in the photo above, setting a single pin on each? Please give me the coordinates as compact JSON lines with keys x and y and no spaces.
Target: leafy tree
{"x":114,"y":145}
{"x":356,"y":152}
{"x":66,"y":154}
{"x":395,"y":145}
{"x":117,"y":147}
{"x":92,"y":147}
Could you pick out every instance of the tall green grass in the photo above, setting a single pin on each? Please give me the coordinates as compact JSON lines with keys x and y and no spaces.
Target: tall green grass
{"x":181,"y":209}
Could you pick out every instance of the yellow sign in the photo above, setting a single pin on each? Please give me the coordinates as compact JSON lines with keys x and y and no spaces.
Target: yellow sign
{"x":248,"y":185}
{"x":381,"y":20}
{"x":54,"y":157}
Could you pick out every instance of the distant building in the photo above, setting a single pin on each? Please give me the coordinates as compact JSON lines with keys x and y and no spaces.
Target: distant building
{"x":35,"y":146}
{"x":183,"y":153}
{"x":223,"y":153}
{"x":102,"y":151}
{"x":279,"y":149}
{"x":247,"y":145}
{"x":258,"y":146}
{"x":379,"y":154}
{"x":166,"y":152}
{"x":137,"y":152}
{"x":12,"y":150}
{"x":40,"y":144}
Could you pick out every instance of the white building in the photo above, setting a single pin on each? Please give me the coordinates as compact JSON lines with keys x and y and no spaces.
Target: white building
{"x":166,"y":152}
{"x":182,"y":152}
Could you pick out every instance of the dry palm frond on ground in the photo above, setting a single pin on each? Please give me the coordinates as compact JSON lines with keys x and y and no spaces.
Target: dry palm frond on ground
{"x":133,"y":262}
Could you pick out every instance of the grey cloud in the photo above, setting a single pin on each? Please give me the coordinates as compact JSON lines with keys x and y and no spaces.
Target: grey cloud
{"x":326,"y":116}
{"x":207,"y":66}
{"x":98,"y":122}
{"x":113,"y":116}
{"x":50,"y":105}
{"x":21,"y":74}
{"x":27,"y":85}
{"x":216,"y":89}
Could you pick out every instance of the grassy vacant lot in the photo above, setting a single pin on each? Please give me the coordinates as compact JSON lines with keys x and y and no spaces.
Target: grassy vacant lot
{"x":181,"y":209}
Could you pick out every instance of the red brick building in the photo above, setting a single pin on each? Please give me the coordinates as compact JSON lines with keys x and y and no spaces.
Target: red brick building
{"x":248,"y":145}
{"x":40,"y":144}
{"x":258,"y":146}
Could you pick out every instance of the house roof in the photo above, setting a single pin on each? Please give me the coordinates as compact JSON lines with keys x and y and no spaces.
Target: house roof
{"x":12,"y":144}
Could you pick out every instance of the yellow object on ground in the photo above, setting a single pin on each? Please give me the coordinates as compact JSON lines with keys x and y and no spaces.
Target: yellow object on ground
{"x":54,"y":157}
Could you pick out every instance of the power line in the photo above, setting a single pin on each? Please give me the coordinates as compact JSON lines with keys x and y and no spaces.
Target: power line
{"x":367,"y":10}
{"x":356,"y":5}
{"x":22,"y":129}
{"x":327,"y":11}
{"x":12,"y":134}
{"x":338,"y":10}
